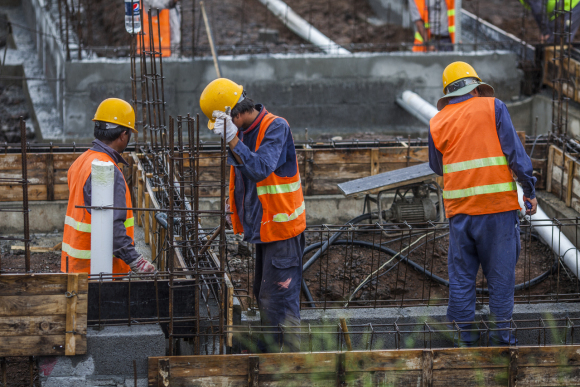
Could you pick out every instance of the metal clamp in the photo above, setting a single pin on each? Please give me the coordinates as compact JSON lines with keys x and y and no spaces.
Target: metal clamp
{"x":70,"y":294}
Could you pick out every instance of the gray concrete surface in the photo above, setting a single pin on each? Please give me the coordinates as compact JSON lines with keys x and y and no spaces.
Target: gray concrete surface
{"x":417,"y":336}
{"x":34,"y":54}
{"x":44,"y":216}
{"x":109,"y":358}
{"x":345,"y":93}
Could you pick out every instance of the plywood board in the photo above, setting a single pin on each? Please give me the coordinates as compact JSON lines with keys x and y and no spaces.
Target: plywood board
{"x":43,"y":314}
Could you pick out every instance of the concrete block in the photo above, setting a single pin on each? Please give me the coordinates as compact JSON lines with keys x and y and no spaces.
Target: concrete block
{"x":109,"y":357}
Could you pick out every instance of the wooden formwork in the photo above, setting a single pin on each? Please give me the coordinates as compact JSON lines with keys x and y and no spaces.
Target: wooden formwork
{"x":43,"y":314}
{"x":563,"y":176}
{"x":486,"y":366}
{"x":569,"y":70}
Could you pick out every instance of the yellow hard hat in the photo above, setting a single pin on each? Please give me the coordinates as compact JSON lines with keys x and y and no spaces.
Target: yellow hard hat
{"x":116,"y":111}
{"x":460,"y":78}
{"x":218,"y":95}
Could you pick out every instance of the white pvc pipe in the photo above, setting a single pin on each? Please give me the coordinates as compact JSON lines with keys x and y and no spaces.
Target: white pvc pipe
{"x":417,"y":106}
{"x":302,"y":28}
{"x":102,"y":194}
{"x":552,"y":236}
{"x":549,"y":233}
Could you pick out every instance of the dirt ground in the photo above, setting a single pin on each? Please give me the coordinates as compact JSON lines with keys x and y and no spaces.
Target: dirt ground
{"x":238,"y":22}
{"x":18,"y":372}
{"x":344,"y":268}
{"x":510,"y":19}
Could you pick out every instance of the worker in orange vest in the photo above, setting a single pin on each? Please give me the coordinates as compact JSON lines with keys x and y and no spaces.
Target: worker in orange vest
{"x":474,"y":146}
{"x":434,"y":24}
{"x":114,"y":122}
{"x":266,"y":202}
{"x":168,"y":23}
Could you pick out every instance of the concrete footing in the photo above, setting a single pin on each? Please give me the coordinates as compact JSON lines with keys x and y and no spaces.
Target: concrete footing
{"x":109,"y":359}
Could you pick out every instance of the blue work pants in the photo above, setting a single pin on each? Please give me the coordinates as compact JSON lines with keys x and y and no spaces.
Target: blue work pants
{"x":492,"y":241}
{"x":277,"y":281}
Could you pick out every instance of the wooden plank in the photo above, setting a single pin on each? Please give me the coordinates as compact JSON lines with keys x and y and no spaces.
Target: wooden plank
{"x":375,"y":161}
{"x":253,"y":371}
{"x":570,"y":183}
{"x":40,"y":305}
{"x":49,"y":177}
{"x":549,"y":376}
{"x":427,"y":372}
{"x":36,"y":326}
{"x":46,"y":284}
{"x":384,"y":360}
{"x":139,"y":198}
{"x":72,"y":289}
{"x":163,"y":372}
{"x":476,"y":376}
{"x":484,"y":357}
{"x":513,"y":368}
{"x":550,"y":166}
{"x":384,"y":378}
{"x":45,"y":345}
{"x":340,"y":171}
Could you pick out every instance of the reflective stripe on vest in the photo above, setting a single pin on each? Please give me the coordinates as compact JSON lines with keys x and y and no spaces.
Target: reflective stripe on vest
{"x":79,"y":254}
{"x":480,"y":190}
{"x":276,"y":189}
{"x":473,"y":164}
{"x":86,"y":227}
{"x":418,"y":37}
{"x":280,"y":218}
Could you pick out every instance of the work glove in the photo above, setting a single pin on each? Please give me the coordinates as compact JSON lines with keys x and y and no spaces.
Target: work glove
{"x":142,"y":266}
{"x":230,"y":131}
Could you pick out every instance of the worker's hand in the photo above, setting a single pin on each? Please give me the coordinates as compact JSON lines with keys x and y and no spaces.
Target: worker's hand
{"x":230,"y":130}
{"x":142,"y":266}
{"x":534,"y":203}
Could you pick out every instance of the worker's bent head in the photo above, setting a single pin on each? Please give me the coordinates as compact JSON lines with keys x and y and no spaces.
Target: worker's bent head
{"x":115,"y":112}
{"x":460,"y":78}
{"x":219,"y":95}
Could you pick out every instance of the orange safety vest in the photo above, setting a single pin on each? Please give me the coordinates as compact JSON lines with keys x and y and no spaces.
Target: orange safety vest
{"x":283,"y":209}
{"x":161,"y":23}
{"x":419,"y":44}
{"x":476,"y":175}
{"x":76,"y":241}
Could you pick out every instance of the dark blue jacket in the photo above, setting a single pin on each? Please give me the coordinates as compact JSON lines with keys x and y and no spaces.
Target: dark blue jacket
{"x":518,"y":160}
{"x":275,"y":154}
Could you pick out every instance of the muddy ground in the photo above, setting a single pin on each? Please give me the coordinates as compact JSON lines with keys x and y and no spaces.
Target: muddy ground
{"x":338,"y":274}
{"x":238,"y":23}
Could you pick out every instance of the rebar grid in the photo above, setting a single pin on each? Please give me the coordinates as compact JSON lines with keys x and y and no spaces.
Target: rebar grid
{"x":394,"y":265}
{"x":429,"y":334}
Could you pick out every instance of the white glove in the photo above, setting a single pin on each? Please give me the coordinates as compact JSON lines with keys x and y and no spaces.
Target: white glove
{"x":142,"y":266}
{"x":230,"y":130}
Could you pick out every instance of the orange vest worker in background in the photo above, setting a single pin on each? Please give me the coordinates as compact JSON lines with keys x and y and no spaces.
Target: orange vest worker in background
{"x":114,"y":121}
{"x":474,"y":146}
{"x":434,"y":24}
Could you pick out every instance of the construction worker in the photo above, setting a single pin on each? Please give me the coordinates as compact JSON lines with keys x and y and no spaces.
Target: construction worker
{"x":266,"y":202}
{"x":169,"y":24}
{"x":114,"y":122}
{"x":545,"y":13}
{"x":434,"y":24}
{"x":474,"y":146}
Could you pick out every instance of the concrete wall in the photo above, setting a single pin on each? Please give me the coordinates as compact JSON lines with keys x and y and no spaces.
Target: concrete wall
{"x":325,"y":94}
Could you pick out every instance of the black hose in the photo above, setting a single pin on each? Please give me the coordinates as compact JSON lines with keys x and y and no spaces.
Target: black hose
{"x":401,"y":258}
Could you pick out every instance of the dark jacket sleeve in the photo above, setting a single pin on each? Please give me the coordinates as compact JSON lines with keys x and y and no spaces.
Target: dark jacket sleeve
{"x":537,"y":7}
{"x":435,"y":157}
{"x":518,"y":160}
{"x":259,"y":165}
{"x":123,"y":246}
